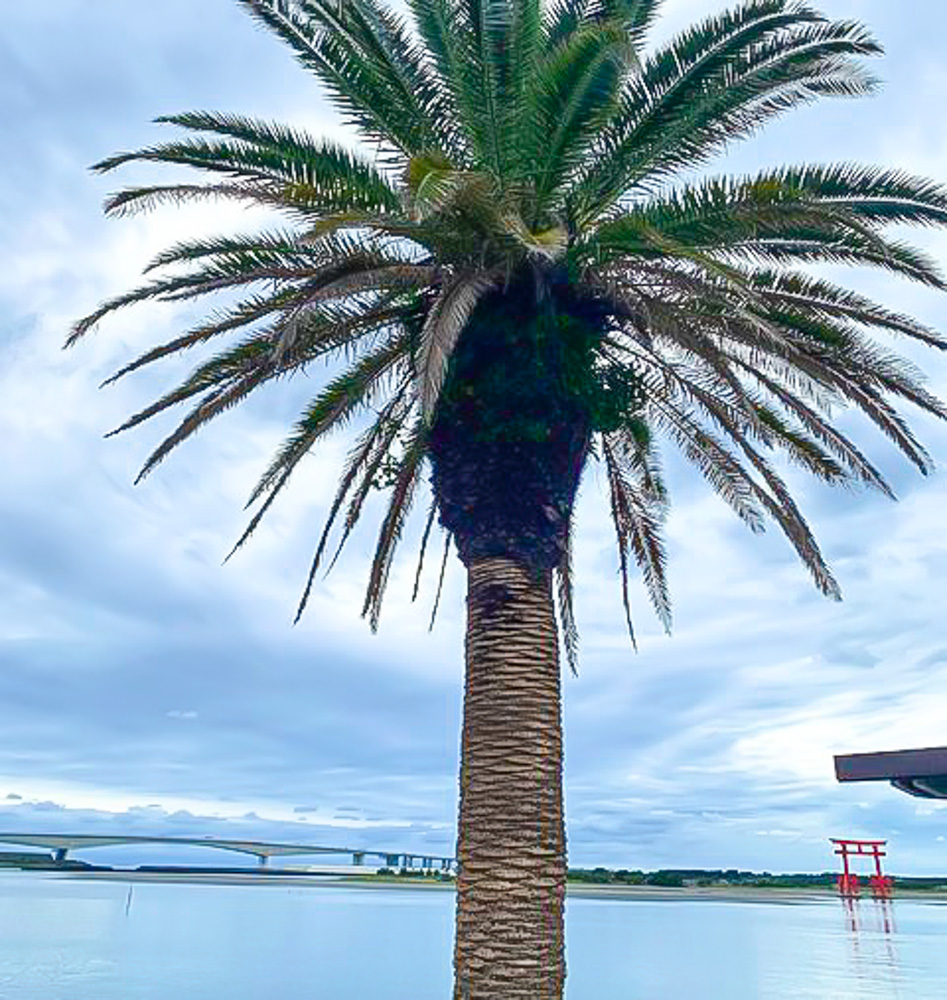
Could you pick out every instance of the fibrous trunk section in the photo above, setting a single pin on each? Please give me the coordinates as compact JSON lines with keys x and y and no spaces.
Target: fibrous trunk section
{"x":511,"y":836}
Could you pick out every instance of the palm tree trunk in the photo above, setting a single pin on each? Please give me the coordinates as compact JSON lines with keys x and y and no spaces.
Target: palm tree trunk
{"x":511,"y":847}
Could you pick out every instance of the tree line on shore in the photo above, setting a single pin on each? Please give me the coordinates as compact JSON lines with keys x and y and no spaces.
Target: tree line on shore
{"x":691,"y":878}
{"x":707,"y":877}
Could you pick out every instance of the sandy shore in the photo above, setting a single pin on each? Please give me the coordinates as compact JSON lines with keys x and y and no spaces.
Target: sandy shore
{"x":630,"y":893}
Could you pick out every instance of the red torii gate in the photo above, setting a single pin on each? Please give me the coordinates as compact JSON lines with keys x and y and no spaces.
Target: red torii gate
{"x":848,"y":881}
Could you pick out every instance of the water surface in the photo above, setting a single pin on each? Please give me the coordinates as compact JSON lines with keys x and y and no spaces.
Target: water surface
{"x":75,"y":939}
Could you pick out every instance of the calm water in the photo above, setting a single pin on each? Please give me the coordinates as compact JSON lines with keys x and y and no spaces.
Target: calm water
{"x":66,"y":939}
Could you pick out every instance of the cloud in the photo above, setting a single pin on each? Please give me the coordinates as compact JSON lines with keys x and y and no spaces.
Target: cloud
{"x":118,"y":625}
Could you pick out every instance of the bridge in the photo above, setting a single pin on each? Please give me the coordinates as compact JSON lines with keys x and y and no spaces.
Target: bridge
{"x":62,"y":844}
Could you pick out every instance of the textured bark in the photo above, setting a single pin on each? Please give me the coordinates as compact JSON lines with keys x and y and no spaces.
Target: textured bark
{"x":511,"y":834}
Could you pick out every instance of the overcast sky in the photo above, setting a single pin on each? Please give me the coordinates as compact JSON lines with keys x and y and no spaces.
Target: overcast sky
{"x":146,"y":689}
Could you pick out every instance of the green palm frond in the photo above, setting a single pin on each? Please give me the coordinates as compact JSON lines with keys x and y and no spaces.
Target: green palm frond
{"x":800,"y":448}
{"x":782,"y":508}
{"x":637,"y":17}
{"x":716,"y":83}
{"x":810,"y":214}
{"x":437,"y":26}
{"x":573,"y":93}
{"x":811,"y":247}
{"x":386,"y":38}
{"x":563,"y":18}
{"x":484,"y":62}
{"x":838,"y":200}
{"x":254,"y":251}
{"x":712,"y":459}
{"x":734,"y":484}
{"x":335,"y":42}
{"x":225,"y":382}
{"x":336,"y":177}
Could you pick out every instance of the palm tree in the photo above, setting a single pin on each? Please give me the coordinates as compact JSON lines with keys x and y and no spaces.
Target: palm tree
{"x":528,"y":270}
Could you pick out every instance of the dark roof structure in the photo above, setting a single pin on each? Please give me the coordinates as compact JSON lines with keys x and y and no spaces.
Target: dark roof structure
{"x":917,"y":772}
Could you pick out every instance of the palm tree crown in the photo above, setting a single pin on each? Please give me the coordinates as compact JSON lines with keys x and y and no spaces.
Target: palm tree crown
{"x":522,"y":271}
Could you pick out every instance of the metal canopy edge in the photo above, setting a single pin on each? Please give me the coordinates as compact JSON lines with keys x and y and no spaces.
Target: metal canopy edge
{"x":918,"y":772}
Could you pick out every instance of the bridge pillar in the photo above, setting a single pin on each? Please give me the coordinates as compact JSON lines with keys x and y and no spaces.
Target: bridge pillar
{"x":391,"y":860}
{"x":59,"y":855}
{"x":358,"y":858}
{"x":264,"y":860}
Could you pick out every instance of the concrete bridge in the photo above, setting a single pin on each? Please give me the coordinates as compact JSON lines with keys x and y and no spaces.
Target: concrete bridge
{"x":62,"y":844}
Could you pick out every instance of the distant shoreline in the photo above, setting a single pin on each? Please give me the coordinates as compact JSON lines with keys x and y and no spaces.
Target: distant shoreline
{"x":624,"y":893}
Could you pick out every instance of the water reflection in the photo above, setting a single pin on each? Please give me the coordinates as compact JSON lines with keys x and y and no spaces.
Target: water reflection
{"x":872,"y":931}
{"x":75,"y":939}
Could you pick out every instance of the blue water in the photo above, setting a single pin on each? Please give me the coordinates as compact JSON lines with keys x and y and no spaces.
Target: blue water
{"x":73,"y":939}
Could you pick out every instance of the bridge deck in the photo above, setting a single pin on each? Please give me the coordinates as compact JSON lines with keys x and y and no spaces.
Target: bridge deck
{"x":259,"y":848}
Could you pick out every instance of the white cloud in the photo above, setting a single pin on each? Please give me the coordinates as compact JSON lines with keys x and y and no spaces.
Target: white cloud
{"x":709,"y":747}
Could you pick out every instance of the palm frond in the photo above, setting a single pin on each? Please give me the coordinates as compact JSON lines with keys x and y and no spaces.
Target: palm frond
{"x":385,"y":39}
{"x":327,"y":39}
{"x":226,"y":381}
{"x":639,"y":506}
{"x":482,"y":29}
{"x":821,"y":430}
{"x":782,"y":508}
{"x":565,"y":17}
{"x":436,"y":23}
{"x":446,"y":319}
{"x":572,"y":93}
{"x":819,"y":297}
{"x":146,"y":198}
{"x":281,"y":249}
{"x":561,"y":19}
{"x":261,"y":150}
{"x":718,"y":82}
{"x":535,"y":151}
{"x":248,"y":311}
{"x":362,"y":466}
{"x":402,"y":494}
{"x":565,"y":588}
{"x":713,"y":460}
{"x":338,"y":403}
{"x":637,"y":17}
{"x":422,"y":548}
{"x":440,"y":580}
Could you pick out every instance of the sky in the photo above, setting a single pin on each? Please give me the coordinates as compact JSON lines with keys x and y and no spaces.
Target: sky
{"x":147,"y":689}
